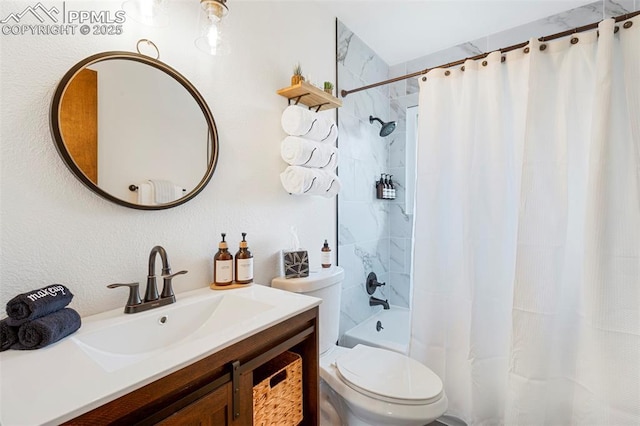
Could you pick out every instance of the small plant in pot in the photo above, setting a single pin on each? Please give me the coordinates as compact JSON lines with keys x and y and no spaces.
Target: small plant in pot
{"x":328,"y":87}
{"x":297,"y":75}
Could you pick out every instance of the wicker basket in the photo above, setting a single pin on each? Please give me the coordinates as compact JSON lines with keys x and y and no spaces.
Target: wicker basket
{"x":277,"y":391}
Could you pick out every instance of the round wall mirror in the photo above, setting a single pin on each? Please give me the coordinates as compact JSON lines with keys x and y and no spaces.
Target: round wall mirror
{"x":134,"y":130}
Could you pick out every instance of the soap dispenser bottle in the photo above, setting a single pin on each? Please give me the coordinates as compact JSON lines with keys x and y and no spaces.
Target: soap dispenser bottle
{"x":223,"y":264}
{"x":325,"y":255}
{"x":392,"y":189}
{"x":380,"y":187}
{"x":386,"y":190}
{"x":244,"y":263}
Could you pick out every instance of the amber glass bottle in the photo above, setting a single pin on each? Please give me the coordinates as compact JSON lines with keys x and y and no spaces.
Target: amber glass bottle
{"x":325,"y":255}
{"x":244,"y":263}
{"x":223,"y":264}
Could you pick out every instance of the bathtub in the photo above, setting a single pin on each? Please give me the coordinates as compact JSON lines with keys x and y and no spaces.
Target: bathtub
{"x":394,"y":334}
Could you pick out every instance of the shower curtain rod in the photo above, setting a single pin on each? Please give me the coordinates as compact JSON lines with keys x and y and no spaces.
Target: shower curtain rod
{"x":592,"y":26}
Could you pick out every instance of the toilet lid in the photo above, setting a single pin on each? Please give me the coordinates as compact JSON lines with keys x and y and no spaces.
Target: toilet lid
{"x":388,"y":376}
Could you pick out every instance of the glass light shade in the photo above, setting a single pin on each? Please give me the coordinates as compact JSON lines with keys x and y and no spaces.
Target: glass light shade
{"x":212,"y":37}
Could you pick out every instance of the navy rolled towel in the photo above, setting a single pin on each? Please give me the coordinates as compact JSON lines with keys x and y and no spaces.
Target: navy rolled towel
{"x":48,"y":329}
{"x":8,"y":335}
{"x":37,"y":303}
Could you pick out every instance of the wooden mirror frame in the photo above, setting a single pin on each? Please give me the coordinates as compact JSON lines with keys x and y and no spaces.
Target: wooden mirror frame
{"x":77,"y":171}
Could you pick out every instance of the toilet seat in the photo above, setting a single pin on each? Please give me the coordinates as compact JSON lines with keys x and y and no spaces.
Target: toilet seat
{"x":388,"y":376}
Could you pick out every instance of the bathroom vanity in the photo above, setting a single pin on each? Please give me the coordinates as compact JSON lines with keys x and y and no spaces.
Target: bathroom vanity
{"x":205,"y":377}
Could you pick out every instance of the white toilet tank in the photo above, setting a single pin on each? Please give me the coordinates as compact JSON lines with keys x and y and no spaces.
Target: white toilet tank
{"x":325,"y":284}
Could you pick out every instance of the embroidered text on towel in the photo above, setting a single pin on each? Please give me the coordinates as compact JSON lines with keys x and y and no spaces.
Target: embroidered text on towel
{"x":49,"y":291}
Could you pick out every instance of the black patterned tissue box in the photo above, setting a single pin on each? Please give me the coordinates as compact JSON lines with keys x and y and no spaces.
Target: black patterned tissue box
{"x":296,"y":264}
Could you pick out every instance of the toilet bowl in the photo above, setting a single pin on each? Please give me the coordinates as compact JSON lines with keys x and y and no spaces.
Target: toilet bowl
{"x":363,"y":385}
{"x":376,"y":386}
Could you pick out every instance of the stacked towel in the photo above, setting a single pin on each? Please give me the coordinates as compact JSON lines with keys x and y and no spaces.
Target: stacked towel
{"x":310,"y":151}
{"x":303,"y":180}
{"x":299,"y":151}
{"x":8,"y":335}
{"x":38,"y":318}
{"x":298,"y":121}
{"x":48,"y":329}
{"x":37,"y":303}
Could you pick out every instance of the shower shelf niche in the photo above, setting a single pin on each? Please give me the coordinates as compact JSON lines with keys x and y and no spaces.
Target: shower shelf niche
{"x":311,"y":96}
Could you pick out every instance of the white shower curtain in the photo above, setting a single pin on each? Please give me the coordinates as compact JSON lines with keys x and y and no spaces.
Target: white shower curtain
{"x":526,"y":291}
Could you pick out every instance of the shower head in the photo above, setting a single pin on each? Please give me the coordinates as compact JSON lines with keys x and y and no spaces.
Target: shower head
{"x":386,"y":129}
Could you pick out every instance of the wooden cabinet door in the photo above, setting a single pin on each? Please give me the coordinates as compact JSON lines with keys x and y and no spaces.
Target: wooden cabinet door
{"x":213,"y":409}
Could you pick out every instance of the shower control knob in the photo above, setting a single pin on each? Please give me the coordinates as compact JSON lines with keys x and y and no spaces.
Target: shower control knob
{"x":372,"y":283}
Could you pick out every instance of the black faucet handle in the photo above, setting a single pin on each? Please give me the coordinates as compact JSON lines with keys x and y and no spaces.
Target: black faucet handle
{"x":167,"y":288}
{"x":372,"y":283}
{"x":134,"y":295}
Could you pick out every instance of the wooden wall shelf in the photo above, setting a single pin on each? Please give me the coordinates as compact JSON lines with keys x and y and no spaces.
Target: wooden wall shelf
{"x":311,"y":96}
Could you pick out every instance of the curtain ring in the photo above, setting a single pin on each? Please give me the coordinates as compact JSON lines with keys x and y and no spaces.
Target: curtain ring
{"x":484,"y":63}
{"x":616,"y":29}
{"x":526,"y":50}
{"x":503,"y":58}
{"x":543,"y":47}
{"x":462,"y":68}
{"x":424,"y":78}
{"x":447,"y":72}
{"x":628,"y":24}
{"x":574,"y":40}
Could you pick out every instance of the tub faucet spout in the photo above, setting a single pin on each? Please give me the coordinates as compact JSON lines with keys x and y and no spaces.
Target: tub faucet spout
{"x":374,"y":301}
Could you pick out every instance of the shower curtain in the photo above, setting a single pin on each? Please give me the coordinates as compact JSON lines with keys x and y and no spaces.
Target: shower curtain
{"x":526,"y":291}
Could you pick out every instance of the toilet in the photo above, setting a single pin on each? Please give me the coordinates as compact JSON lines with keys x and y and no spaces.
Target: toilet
{"x":364,"y":385}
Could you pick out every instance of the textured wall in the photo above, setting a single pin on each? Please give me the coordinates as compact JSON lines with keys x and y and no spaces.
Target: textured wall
{"x":54,"y":230}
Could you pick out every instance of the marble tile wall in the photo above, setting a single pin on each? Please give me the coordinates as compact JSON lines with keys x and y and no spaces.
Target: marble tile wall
{"x":376,"y":235}
{"x":363,"y":224}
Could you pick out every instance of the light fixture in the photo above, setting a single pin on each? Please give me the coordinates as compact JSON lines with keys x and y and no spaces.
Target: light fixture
{"x":211,"y":39}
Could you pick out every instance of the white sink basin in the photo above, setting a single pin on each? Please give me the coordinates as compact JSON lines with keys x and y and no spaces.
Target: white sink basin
{"x":115,"y":343}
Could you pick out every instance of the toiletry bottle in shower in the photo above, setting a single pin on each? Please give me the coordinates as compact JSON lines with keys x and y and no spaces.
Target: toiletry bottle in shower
{"x":223,"y":264}
{"x":325,"y":255}
{"x":386,"y":191}
{"x":244,"y":263}
{"x":392,"y":189}
{"x":380,"y":187}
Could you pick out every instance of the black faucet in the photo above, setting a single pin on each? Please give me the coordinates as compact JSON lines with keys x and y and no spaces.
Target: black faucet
{"x":374,"y":301}
{"x":151,"y":298}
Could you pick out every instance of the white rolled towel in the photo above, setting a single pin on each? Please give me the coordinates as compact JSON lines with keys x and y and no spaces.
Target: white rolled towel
{"x":299,"y":180}
{"x":299,"y":151}
{"x":299,"y":121}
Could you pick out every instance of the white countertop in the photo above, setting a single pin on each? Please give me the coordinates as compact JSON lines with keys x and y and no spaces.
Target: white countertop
{"x":59,"y":382}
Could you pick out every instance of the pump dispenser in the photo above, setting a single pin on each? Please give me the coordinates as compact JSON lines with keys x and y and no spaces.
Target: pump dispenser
{"x":223,"y":264}
{"x":244,"y":263}
{"x":325,"y":255}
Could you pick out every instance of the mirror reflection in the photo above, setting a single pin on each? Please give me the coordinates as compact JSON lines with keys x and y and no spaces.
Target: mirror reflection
{"x":135,"y":131}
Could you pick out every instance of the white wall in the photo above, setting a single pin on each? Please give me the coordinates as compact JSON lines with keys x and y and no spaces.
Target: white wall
{"x":54,"y":230}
